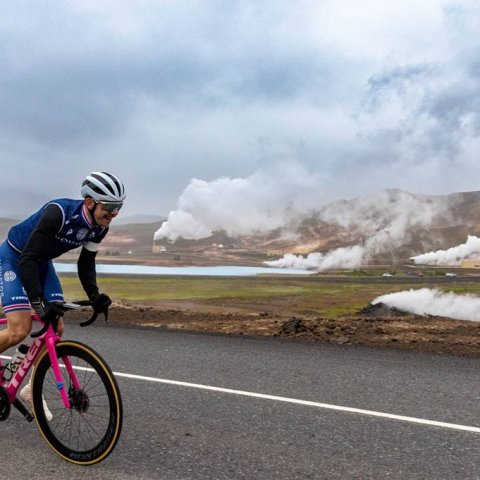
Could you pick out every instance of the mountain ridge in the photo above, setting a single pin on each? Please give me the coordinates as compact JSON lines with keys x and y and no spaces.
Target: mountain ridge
{"x":392,"y":223}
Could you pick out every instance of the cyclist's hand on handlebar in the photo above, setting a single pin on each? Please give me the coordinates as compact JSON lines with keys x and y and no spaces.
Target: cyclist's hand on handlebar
{"x":101,"y":302}
{"x":47,"y":311}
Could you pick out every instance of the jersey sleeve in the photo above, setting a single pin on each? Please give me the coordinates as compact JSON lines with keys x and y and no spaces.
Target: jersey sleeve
{"x":87,"y":272}
{"x":92,"y":245}
{"x":48,"y":226}
{"x":86,"y":266}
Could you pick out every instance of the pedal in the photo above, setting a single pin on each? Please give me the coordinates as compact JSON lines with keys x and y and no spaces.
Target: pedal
{"x":23,"y":410}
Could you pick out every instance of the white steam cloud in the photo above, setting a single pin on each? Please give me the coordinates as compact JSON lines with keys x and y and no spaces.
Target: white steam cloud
{"x":341,"y":258}
{"x":451,"y":256}
{"x":264,"y":201}
{"x":348,"y":257}
{"x":425,"y":301}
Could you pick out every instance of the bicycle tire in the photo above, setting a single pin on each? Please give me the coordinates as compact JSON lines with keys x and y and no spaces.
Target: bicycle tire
{"x":96,"y":406}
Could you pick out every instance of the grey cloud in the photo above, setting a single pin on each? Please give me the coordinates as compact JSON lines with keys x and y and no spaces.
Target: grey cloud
{"x":397,"y":77}
{"x":454,"y":116}
{"x":436,"y":107}
{"x":437,"y":102}
{"x":160,"y":92}
{"x":88,"y":87}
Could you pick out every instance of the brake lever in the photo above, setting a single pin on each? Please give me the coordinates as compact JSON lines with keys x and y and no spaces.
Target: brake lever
{"x":46,"y":324}
{"x":41,"y":331}
{"x":90,"y":320}
{"x":49,"y":321}
{"x":95,"y":313}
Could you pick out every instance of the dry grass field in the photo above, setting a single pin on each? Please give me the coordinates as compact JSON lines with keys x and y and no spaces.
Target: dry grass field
{"x":334,"y":309}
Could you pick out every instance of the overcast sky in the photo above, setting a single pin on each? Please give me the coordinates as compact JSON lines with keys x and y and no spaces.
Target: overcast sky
{"x":309,"y":100}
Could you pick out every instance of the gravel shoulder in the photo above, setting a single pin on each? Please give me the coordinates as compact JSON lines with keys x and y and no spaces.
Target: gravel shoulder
{"x":377,"y":326}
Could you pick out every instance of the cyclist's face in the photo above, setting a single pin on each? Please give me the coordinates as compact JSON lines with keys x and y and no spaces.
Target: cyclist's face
{"x":102,"y":216}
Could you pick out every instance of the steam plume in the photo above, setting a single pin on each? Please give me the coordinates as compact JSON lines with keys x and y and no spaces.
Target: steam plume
{"x":425,"y":301}
{"x":385,"y":219}
{"x":452,"y":256}
{"x":261,"y":202}
{"x":350,"y":257}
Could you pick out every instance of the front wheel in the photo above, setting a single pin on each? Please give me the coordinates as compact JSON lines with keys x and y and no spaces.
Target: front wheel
{"x":87,"y":432}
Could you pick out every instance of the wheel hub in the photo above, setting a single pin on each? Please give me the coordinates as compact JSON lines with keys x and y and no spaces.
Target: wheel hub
{"x":78,"y":400}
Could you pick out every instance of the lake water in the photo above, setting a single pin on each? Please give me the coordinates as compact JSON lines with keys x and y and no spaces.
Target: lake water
{"x":220,"y":271}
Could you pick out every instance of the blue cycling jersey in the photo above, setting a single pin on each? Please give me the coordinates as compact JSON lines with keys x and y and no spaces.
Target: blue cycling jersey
{"x":77,"y":229}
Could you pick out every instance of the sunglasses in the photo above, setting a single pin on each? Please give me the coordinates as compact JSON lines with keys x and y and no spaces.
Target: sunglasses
{"x":111,"y":206}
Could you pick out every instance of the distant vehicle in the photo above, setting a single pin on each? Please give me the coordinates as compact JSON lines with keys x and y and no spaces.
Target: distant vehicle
{"x":415,"y":274}
{"x":450,"y":274}
{"x":387,"y":274}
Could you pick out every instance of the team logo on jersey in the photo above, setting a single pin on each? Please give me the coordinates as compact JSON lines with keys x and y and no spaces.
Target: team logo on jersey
{"x":70,"y":232}
{"x":9,"y":276}
{"x":82,"y":233}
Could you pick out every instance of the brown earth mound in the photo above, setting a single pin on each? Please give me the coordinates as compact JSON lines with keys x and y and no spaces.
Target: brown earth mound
{"x":375,"y":325}
{"x":381,"y":310}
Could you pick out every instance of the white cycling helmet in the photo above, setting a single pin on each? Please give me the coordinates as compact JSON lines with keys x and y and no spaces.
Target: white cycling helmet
{"x":103,"y":187}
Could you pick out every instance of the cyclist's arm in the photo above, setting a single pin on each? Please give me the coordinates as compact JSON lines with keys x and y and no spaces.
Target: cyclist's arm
{"x":86,"y":267}
{"x":48,"y":226}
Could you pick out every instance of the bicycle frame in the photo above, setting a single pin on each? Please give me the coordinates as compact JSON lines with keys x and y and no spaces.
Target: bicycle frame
{"x":92,"y":413}
{"x":49,"y":339}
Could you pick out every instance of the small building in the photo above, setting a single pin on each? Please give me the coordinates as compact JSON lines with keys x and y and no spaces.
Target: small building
{"x":470,"y":263}
{"x":158,"y":248}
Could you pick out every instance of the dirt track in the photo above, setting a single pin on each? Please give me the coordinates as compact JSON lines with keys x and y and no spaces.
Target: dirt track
{"x":378,"y":327}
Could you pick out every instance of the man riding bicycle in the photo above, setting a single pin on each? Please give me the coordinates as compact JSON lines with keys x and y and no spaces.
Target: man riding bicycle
{"x":27,"y":276}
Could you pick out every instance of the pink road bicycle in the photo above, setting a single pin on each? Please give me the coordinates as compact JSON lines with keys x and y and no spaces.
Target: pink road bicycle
{"x":79,"y":389}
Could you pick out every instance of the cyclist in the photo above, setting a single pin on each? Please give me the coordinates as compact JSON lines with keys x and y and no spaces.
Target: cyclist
{"x":27,"y":276}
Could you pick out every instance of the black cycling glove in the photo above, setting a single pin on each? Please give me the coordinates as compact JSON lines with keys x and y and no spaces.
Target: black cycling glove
{"x":47,"y":311}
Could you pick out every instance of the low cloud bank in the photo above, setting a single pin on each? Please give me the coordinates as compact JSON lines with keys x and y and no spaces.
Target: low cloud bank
{"x":451,"y":256}
{"x":425,"y":301}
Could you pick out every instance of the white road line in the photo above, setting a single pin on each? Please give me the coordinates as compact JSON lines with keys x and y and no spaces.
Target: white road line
{"x":326,"y":406}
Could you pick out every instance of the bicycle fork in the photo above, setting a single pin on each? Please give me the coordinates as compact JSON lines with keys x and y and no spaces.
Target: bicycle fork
{"x":50,"y":343}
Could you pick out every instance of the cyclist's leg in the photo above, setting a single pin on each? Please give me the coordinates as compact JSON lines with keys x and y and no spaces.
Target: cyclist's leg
{"x":14,"y":300}
{"x":19,"y":325}
{"x":52,"y":292}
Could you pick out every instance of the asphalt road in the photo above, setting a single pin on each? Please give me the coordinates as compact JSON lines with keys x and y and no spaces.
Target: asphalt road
{"x":176,"y":431}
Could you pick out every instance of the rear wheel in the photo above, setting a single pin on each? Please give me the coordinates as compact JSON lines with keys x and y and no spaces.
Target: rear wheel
{"x":87,"y":432}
